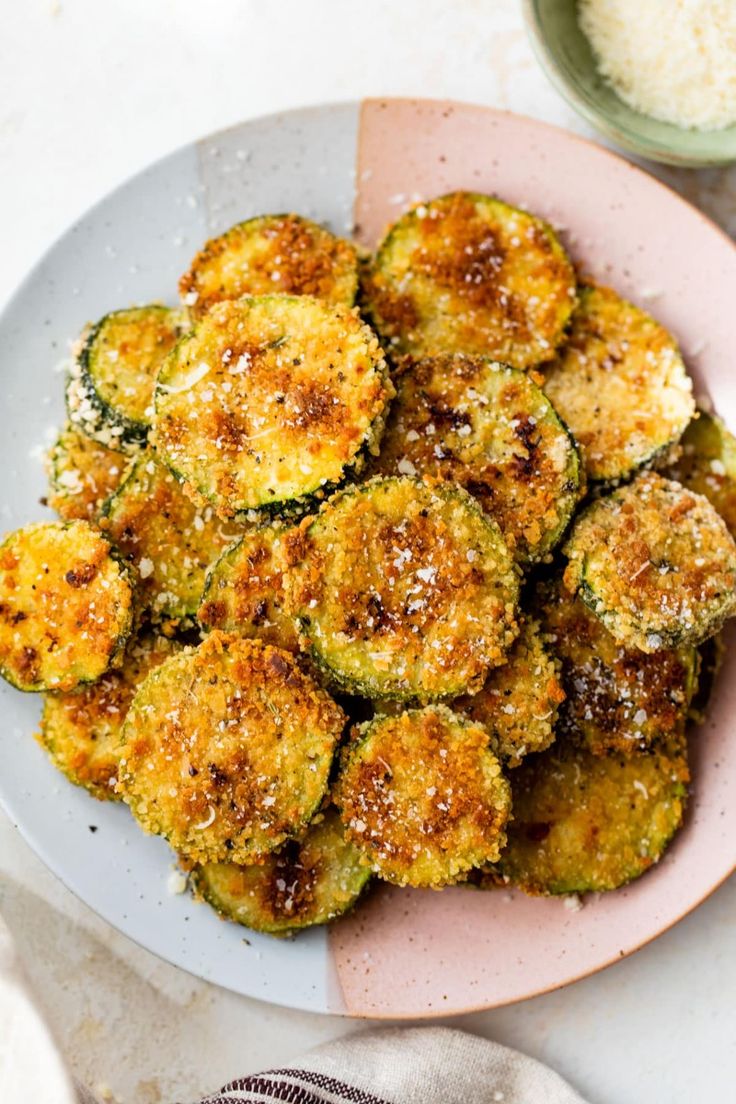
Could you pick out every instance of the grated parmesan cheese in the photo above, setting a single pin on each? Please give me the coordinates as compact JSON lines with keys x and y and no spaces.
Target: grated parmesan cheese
{"x":674,"y":60}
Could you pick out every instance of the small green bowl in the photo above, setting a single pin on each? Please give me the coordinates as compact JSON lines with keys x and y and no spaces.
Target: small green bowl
{"x":566,"y":57}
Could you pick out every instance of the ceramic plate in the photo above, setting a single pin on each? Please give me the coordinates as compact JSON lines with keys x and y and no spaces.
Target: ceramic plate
{"x":403,"y":953}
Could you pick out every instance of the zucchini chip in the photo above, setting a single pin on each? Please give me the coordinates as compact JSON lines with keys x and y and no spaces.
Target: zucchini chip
{"x":519,"y":702}
{"x":81,"y":730}
{"x":586,"y":823}
{"x":655,"y":563}
{"x":110,"y":390}
{"x":284,"y":253}
{"x":423,"y":796}
{"x":170,"y":541}
{"x":467,"y":273}
{"x":66,"y":606}
{"x":490,"y":429}
{"x":271,"y":400}
{"x":308,"y":881}
{"x":244,"y":591}
{"x":82,"y":474}
{"x":404,"y":590}
{"x":620,"y":385}
{"x":226,"y":750}
{"x":707,"y":465}
{"x":618,"y":698}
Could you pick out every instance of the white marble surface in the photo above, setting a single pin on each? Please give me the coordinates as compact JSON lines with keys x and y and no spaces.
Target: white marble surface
{"x":89,"y":93}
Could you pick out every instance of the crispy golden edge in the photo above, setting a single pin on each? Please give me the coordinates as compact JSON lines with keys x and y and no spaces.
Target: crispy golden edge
{"x":655,"y":562}
{"x":423,"y":797}
{"x":620,"y":384}
{"x":271,"y":401}
{"x":66,"y":606}
{"x":80,"y":730}
{"x":306,"y":882}
{"x":504,"y":284}
{"x":618,"y":698}
{"x":706,"y":464}
{"x":288,"y":252}
{"x":585,"y":823}
{"x":226,"y":750}
{"x":403,"y":589}
{"x":490,"y":429}
{"x":82,"y":473}
{"x":519,"y":702}
{"x":245,"y":591}
{"x":168,"y":540}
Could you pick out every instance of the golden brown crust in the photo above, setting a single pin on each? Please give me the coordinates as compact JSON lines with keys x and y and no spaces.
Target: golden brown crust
{"x":618,"y":698}
{"x":589,"y":823}
{"x":169,"y":540}
{"x":655,"y":562}
{"x":269,"y":400}
{"x":423,"y":797}
{"x":81,"y":730}
{"x":468,"y":273}
{"x":404,"y":590}
{"x":620,"y":385}
{"x":66,"y":606}
{"x":707,"y":464}
{"x":490,"y":429}
{"x":519,"y":701}
{"x":226,"y":750}
{"x":245,"y":590}
{"x":83,"y":473}
{"x":284,"y":253}
{"x":307,"y":881}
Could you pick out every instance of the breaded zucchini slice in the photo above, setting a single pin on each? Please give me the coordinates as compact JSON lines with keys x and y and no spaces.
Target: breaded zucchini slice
{"x":284,"y":253}
{"x":81,"y":730}
{"x":490,"y":429}
{"x":244,"y":591}
{"x":586,"y":823}
{"x":707,"y":464}
{"x":271,"y":400}
{"x":655,"y":563}
{"x":620,"y":385}
{"x":110,"y":390}
{"x":307,"y":881}
{"x":423,"y":797}
{"x":226,"y":750}
{"x":82,"y":474}
{"x":618,"y":698}
{"x":404,"y":590}
{"x":170,"y":541}
{"x":66,"y":606}
{"x":468,"y":273}
{"x":519,"y":702}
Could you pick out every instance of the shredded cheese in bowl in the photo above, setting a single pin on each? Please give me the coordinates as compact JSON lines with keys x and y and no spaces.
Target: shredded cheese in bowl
{"x":674,"y":60}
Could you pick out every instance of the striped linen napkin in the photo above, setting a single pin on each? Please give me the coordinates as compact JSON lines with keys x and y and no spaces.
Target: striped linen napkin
{"x":425,"y":1065}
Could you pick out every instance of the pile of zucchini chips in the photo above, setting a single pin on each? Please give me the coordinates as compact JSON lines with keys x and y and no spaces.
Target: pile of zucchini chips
{"x":426,"y":588}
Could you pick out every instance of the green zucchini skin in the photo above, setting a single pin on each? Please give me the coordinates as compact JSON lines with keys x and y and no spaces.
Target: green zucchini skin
{"x":306,"y":882}
{"x":469,"y":273}
{"x":111,"y":386}
{"x":492,"y":430}
{"x":423,"y":797}
{"x":403,"y":590}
